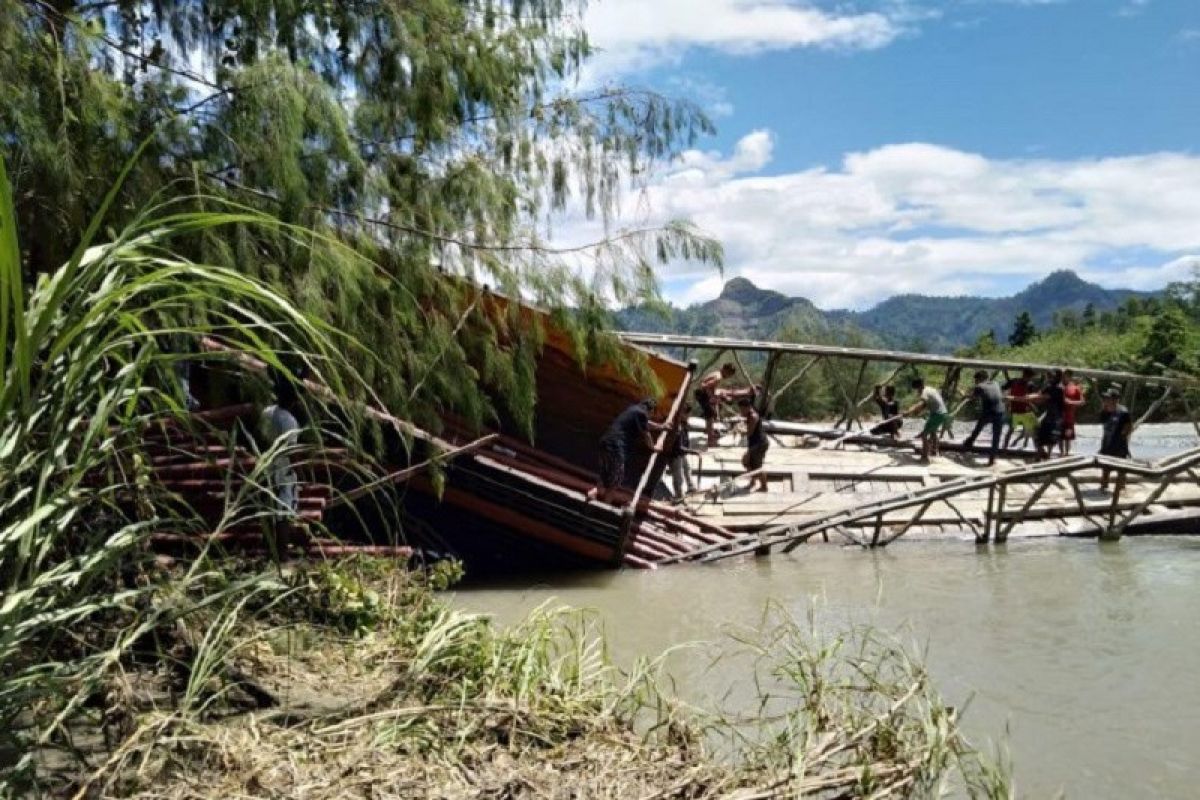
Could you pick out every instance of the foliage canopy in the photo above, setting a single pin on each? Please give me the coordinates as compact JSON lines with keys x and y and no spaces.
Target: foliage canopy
{"x":429,"y":134}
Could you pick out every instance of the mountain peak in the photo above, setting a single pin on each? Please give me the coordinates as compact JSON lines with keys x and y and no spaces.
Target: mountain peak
{"x":1061,"y":280}
{"x":741,"y":290}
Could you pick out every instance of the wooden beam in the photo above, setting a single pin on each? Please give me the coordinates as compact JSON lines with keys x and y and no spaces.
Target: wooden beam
{"x":1154,"y":407}
{"x":792,"y":381}
{"x":890,"y":356}
{"x":527,"y":525}
{"x":400,"y":476}
{"x":1002,"y":530}
{"x":767,"y":380}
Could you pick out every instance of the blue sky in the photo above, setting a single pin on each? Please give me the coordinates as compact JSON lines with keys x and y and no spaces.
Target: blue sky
{"x":953,"y":147}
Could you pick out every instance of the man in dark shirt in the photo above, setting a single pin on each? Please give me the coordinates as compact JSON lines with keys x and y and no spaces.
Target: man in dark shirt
{"x":889,"y":410}
{"x":1118,"y":427}
{"x":631,"y":426}
{"x":991,"y":412}
{"x":756,"y":444}
{"x":1053,"y":401}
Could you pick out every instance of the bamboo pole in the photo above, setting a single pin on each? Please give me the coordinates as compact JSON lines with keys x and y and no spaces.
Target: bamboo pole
{"x":792,"y":381}
{"x":852,"y":410}
{"x":908,"y":525}
{"x":768,"y":379}
{"x":1153,"y":407}
{"x":891,"y":356}
{"x":1110,"y":532}
{"x":1004,"y":530}
{"x":402,"y":475}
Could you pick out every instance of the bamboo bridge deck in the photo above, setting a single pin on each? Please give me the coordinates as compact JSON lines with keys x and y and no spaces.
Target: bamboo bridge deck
{"x":856,"y":488}
{"x":874,"y":498}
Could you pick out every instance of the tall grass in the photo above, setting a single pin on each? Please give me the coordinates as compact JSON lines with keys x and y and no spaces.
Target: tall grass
{"x":86,"y":364}
{"x":428,"y":701}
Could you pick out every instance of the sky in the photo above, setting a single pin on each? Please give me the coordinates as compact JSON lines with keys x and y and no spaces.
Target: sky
{"x":944,"y":147}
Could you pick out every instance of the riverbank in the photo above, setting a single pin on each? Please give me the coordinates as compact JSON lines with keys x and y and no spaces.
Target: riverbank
{"x":361,"y":681}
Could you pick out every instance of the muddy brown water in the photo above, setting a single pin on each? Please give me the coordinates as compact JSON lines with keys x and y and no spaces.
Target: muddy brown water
{"x":1082,"y":658}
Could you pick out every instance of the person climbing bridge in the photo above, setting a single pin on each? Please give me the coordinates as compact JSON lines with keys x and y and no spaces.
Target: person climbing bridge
{"x":931,"y":404}
{"x":631,"y":426}
{"x":709,"y":396}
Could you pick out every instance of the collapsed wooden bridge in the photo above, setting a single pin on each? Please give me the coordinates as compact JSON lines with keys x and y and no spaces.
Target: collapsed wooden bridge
{"x":510,"y":500}
{"x":870,"y":490}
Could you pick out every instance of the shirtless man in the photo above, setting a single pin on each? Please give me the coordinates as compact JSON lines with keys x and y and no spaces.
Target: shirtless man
{"x":709,"y":396}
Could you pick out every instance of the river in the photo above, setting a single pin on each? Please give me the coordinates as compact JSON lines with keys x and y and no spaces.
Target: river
{"x":1079,"y":656}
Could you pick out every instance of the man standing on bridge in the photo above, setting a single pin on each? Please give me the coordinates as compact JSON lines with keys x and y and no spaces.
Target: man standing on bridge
{"x":991,"y":412}
{"x":1020,"y":411}
{"x":1118,"y":427}
{"x":1073,"y":394}
{"x":934,"y":407}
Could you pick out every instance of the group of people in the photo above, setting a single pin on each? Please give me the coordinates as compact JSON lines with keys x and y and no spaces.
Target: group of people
{"x":633,"y":429}
{"x":1018,"y":411}
{"x":1042,"y":413}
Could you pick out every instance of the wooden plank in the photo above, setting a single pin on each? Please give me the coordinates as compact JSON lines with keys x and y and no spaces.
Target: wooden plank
{"x":892,"y":356}
{"x":402,"y":475}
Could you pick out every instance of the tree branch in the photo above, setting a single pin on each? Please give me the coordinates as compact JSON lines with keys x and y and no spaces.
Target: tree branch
{"x":533,"y":247}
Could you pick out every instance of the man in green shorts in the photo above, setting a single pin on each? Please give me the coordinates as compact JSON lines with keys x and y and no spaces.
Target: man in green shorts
{"x":1021,"y":412}
{"x":936,"y":416}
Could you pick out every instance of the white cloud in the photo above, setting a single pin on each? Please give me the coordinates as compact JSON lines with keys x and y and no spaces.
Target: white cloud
{"x":925,"y":218}
{"x":632,"y":35}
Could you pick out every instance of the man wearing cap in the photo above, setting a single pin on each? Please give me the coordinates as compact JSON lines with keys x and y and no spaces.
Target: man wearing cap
{"x":1118,"y":427}
{"x":631,"y":426}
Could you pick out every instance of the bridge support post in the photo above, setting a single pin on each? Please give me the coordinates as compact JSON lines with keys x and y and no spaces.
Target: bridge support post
{"x":1112,"y":531}
{"x":1001,"y":531}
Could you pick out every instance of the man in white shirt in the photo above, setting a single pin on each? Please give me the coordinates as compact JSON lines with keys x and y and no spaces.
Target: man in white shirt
{"x":936,"y":415}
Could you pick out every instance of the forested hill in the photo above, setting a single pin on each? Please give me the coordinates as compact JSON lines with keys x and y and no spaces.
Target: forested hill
{"x":911,"y":322}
